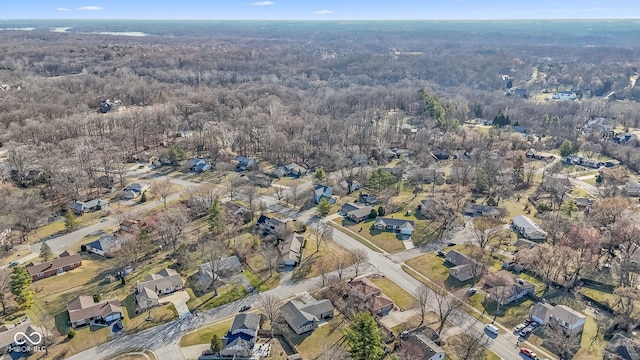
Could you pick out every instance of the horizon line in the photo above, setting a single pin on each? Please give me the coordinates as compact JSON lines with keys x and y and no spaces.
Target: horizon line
{"x":323,"y":20}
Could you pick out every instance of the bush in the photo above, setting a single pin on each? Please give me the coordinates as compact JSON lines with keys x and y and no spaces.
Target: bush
{"x":380,"y":211}
{"x":96,"y":298}
{"x":83,"y":247}
{"x":143,"y":198}
{"x":71,"y":334}
{"x":373,"y":214}
{"x":302,"y":228}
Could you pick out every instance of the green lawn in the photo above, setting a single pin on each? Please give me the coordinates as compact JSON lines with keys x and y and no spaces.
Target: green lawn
{"x":578,"y":192}
{"x":403,"y":299}
{"x":601,"y":296}
{"x":226,"y":294}
{"x":431,"y":266}
{"x":538,"y":284}
{"x":134,"y":323}
{"x":510,"y":315}
{"x":337,"y":223}
{"x":385,"y":240}
{"x":312,"y":344}
{"x":587,"y":350}
{"x":204,"y":335}
{"x":262,"y":281}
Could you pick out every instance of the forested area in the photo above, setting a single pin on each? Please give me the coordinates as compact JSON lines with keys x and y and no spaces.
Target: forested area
{"x":323,"y":95}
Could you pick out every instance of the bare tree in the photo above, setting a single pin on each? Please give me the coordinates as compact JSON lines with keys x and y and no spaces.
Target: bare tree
{"x":323,"y":231}
{"x":423,"y":294}
{"x":162,"y":189}
{"x":271,"y":257}
{"x":233,"y":185}
{"x":470,"y":345}
{"x":213,"y":251}
{"x":5,"y":290}
{"x":360,"y":257}
{"x":445,"y":306}
{"x":485,"y":230}
{"x":172,"y":221}
{"x":270,"y":305}
{"x":501,"y":284}
{"x":341,"y":265}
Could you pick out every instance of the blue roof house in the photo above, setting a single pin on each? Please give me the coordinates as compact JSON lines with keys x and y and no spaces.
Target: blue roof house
{"x":322,"y":191}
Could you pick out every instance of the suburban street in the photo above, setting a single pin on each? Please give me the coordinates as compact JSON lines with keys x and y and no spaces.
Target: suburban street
{"x":164,"y":339}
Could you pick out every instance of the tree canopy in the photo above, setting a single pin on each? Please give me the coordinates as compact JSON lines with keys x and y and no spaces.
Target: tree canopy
{"x":363,"y":337}
{"x":20,"y":283}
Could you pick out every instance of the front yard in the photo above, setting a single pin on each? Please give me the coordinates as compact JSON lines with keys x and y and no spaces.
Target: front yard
{"x":204,"y":335}
{"x":226,"y":294}
{"x":385,"y":240}
{"x":311,"y":345}
{"x":403,"y":299}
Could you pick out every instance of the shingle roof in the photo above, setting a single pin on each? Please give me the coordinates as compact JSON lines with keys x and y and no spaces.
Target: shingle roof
{"x":60,"y":262}
{"x":83,"y":307}
{"x":166,"y":278}
{"x":245,"y":321}
{"x":295,"y":316}
{"x":403,"y":224}
{"x":105,"y":243}
{"x":8,"y":332}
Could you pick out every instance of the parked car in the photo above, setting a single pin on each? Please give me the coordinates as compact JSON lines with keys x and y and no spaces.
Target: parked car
{"x":528,"y":352}
{"x":14,"y":264}
{"x":245,"y":308}
{"x":525,"y":332}
{"x":492,"y":329}
{"x":472,"y":291}
{"x":441,"y":253}
{"x":519,"y":327}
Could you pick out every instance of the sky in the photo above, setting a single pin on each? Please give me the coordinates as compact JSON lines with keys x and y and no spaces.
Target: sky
{"x":319,"y":9}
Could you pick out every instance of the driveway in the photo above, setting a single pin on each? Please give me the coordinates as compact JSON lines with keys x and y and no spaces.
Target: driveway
{"x":395,"y":318}
{"x":179,"y":299}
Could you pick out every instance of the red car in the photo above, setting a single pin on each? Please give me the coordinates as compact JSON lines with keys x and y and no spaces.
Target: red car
{"x":528,"y":352}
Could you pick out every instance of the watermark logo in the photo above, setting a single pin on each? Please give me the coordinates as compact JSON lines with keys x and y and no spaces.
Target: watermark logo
{"x":27,"y":343}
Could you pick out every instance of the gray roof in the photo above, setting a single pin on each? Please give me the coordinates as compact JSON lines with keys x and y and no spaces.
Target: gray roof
{"x":622,"y":347}
{"x":8,"y":332}
{"x":318,"y":308}
{"x":349,"y":207}
{"x":363,"y":211}
{"x":245,"y":321}
{"x":166,"y":278}
{"x":528,"y":227}
{"x":292,"y":247}
{"x":457,"y":258}
{"x":567,"y":314}
{"x":230,"y":263}
{"x":298,"y":314}
{"x":541,"y":311}
{"x":394,"y":222}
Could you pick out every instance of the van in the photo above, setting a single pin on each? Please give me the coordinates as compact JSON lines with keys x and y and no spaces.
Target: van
{"x":492,"y":329}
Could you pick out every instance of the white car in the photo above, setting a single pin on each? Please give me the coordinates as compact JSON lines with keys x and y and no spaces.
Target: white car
{"x":519,"y":327}
{"x":492,"y":329}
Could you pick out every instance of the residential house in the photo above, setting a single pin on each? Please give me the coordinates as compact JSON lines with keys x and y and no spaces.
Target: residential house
{"x":611,"y":163}
{"x":597,"y":125}
{"x":291,"y":249}
{"x":292,"y":169}
{"x":591,"y":163}
{"x":625,"y":139}
{"x":408,"y":129}
{"x":83,"y":310}
{"x":220,"y":268}
{"x":105,"y":246}
{"x":13,"y":335}
{"x":134,"y":190}
{"x":270,"y":225}
{"x":346,"y":207}
{"x":465,"y":268}
{"x":304,"y":317}
{"x":105,"y":106}
{"x":360,"y":214}
{"x":440,"y":154}
{"x":571,"y":320}
{"x":564,"y":96}
{"x":478,"y":210}
{"x":621,"y":347}
{"x":527,"y":228}
{"x":374,"y":300}
{"x":419,"y":343}
{"x":164,"y":282}
{"x":241,"y":338}
{"x":583,"y":203}
{"x":322,"y":191}
{"x":234,"y":210}
{"x":80,"y":207}
{"x":433,"y":176}
{"x":245,"y":163}
{"x":524,"y":244}
{"x":632,"y":188}
{"x":67,"y":261}
{"x":199,"y":165}
{"x":404,"y":227}
{"x":538,"y":155}
{"x":560,"y":187}
{"x":506,"y":293}
{"x":350,"y":185}
{"x":367,"y":199}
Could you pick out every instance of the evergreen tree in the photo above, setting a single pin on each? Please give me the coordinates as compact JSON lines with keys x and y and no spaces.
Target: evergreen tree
{"x":20,"y":282}
{"x":216,"y":218}
{"x":324,"y":206}
{"x":363,"y":337}
{"x":501,"y":120}
{"x":381,"y":211}
{"x":373,"y":214}
{"x":319,"y":176}
{"x":45,"y":252}
{"x":566,"y":148}
{"x":379,"y":180}
{"x":176,"y":155}
{"x":216,"y":343}
{"x":143,"y":198}
{"x":70,"y":221}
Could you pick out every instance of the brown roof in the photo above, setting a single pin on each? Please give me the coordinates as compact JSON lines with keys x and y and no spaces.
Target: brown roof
{"x":378,"y":302}
{"x":8,"y":332}
{"x":62,"y":261}
{"x":83,"y":307}
{"x":364,"y":286}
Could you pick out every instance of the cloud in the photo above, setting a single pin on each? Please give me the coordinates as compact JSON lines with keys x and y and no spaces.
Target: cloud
{"x":63,"y":9}
{"x":262,"y":3}
{"x":324,"y":12}
{"x":91,"y":8}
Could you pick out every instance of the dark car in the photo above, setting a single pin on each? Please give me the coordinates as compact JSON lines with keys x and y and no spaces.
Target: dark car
{"x":441,"y":253}
{"x":451,"y":244}
{"x":245,"y":308}
{"x":13,"y":264}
